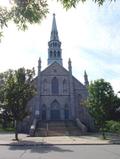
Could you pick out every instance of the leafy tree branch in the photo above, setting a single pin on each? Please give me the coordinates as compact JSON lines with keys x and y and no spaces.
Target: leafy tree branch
{"x":24,"y":12}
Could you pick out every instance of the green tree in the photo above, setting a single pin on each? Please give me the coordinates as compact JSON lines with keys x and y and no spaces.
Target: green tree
{"x":17,"y":90}
{"x":100,"y":101}
{"x":24,"y":12}
{"x":73,"y":3}
{"x":114,"y":113}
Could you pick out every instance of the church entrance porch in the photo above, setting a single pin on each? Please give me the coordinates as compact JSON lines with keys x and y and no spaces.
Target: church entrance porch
{"x":44,"y":112}
{"x":55,"y":114}
{"x":66,"y":114}
{"x":44,"y":115}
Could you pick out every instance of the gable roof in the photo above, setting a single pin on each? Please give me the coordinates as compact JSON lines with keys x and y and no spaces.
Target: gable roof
{"x":78,"y":84}
{"x":54,"y":69}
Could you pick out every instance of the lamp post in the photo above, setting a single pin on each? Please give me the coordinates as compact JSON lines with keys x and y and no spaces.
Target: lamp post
{"x":118,"y":109}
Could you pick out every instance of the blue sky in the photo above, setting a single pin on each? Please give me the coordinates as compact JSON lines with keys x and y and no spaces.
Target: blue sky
{"x":90,"y":36}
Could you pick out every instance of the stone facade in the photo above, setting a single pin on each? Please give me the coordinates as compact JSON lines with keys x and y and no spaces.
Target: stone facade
{"x":59,"y":93}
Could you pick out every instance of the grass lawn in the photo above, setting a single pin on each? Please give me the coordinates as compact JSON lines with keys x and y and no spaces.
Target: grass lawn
{"x":8,"y":129}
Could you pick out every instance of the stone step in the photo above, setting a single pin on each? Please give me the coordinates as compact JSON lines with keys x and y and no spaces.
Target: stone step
{"x":57,"y":133}
{"x":57,"y":129}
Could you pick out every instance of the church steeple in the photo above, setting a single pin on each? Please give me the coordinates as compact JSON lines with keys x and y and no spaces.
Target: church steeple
{"x":86,"y":82}
{"x":54,"y":32}
{"x":54,"y":45}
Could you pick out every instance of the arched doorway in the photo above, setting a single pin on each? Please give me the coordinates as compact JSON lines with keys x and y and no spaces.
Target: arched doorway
{"x":44,"y":112}
{"x":55,"y":110}
{"x":66,"y":112}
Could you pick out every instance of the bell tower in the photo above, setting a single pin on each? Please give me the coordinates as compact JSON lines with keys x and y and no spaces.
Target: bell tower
{"x":54,"y":45}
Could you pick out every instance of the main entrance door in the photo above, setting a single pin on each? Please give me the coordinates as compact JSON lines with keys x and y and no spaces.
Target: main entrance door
{"x":55,"y":111}
{"x":44,"y":115}
{"x":66,"y":112}
{"x":55,"y":115}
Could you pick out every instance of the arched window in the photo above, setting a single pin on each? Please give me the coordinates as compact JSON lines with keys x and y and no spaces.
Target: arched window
{"x":80,"y":100}
{"x":58,"y":54}
{"x":45,"y":85}
{"x":79,"y":97}
{"x":43,"y":107}
{"x":54,"y":53}
{"x":50,"y":53}
{"x":55,"y":105}
{"x":64,"y":86}
{"x":55,"y":86}
{"x":55,"y":44}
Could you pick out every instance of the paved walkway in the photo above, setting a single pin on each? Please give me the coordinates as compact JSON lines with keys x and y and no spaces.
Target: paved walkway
{"x":8,"y":139}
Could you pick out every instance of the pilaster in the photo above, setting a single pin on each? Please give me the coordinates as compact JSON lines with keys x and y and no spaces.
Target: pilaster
{"x":71,"y":90}
{"x":37,"y":111}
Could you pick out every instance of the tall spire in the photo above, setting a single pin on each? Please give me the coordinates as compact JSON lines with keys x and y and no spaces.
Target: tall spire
{"x":54,"y":45}
{"x":54,"y":32}
{"x":86,"y":82}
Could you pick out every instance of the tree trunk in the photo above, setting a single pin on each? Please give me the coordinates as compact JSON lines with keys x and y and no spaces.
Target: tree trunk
{"x":16,"y":135}
{"x":16,"y":130}
{"x":103,"y":132}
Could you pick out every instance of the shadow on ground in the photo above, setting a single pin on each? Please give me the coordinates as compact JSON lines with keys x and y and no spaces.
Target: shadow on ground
{"x":113,"y":138}
{"x":36,"y":148}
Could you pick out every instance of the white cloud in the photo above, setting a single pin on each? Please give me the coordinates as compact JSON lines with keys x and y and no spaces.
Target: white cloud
{"x":88,"y":26}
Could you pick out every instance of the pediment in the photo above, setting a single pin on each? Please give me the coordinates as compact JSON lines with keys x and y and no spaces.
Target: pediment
{"x":55,"y":69}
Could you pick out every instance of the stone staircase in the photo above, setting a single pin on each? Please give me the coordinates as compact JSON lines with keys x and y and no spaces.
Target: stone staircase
{"x":57,"y":128}
{"x":73,"y":129}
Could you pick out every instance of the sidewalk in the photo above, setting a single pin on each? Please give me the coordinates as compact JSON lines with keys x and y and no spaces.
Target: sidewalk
{"x":95,"y":139}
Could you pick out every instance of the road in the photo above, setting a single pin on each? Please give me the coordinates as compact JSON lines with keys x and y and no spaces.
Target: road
{"x":61,"y":152}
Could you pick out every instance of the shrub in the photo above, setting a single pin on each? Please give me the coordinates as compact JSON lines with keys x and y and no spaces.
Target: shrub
{"x":112,"y":126}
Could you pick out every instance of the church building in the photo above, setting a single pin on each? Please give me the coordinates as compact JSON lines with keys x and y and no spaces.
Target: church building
{"x":60,"y":95}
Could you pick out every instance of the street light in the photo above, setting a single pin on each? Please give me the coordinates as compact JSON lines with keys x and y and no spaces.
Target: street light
{"x":118,"y":109}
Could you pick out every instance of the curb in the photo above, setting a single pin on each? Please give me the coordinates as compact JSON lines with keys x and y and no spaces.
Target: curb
{"x":45,"y":144}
